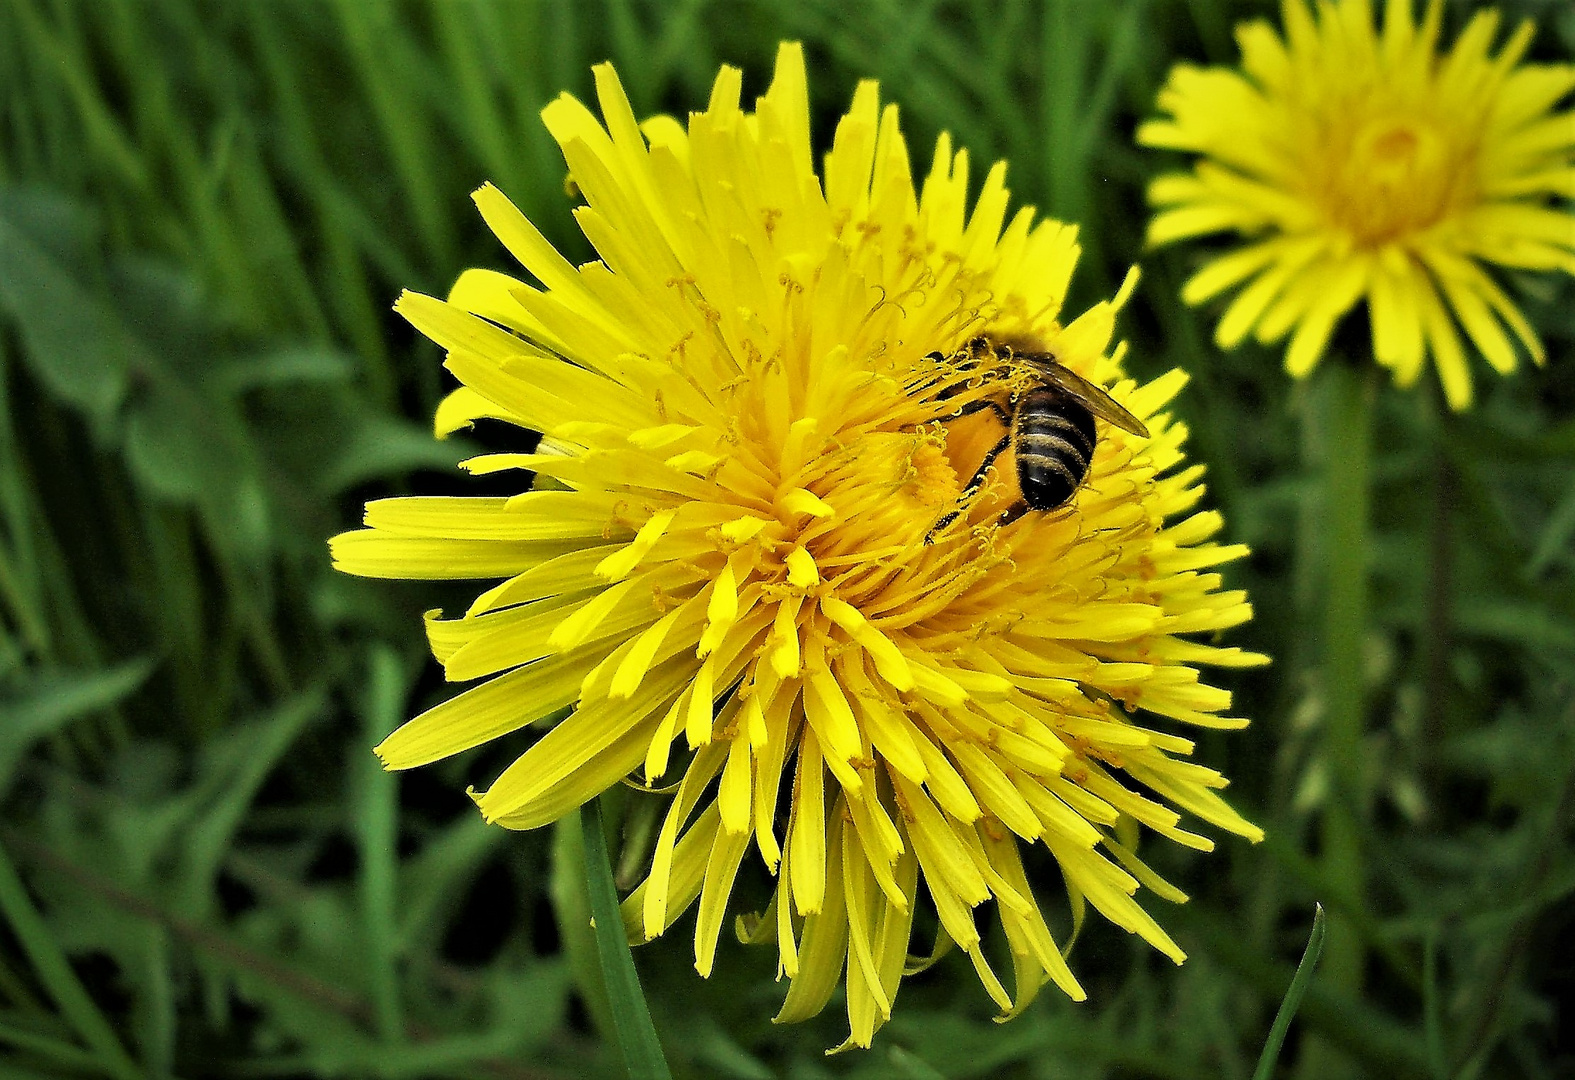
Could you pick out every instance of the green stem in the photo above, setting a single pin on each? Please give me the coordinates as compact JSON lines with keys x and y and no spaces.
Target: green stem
{"x":1347,"y":419}
{"x":1344,"y":417}
{"x":642,"y":1053}
{"x":1436,"y":628}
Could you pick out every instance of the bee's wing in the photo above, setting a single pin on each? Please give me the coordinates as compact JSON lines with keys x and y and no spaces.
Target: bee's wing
{"x":1100,"y":403}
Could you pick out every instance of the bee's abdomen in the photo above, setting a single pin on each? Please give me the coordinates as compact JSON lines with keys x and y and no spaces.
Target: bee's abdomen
{"x":1053,"y":440}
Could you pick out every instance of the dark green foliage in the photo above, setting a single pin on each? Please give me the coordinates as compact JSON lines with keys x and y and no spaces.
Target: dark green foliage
{"x":205,"y":212}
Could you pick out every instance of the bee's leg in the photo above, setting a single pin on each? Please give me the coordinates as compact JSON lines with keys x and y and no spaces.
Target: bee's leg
{"x":1013,"y":512}
{"x":977,"y":405}
{"x":984,"y":466}
{"x":973,"y":485}
{"x":983,"y":404}
{"x":969,"y":375}
{"x":929,"y":537}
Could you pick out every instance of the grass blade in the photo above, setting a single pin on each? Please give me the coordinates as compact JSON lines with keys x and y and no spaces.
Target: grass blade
{"x":55,"y":973}
{"x":1293,"y":998}
{"x":376,"y":816}
{"x":642,"y":1053}
{"x":52,"y":702}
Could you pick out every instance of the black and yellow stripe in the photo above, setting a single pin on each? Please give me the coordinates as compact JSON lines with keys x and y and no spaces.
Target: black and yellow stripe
{"x":1053,"y":440}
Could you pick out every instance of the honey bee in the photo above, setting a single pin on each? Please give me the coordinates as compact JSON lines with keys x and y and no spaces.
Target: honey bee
{"x":1050,"y":428}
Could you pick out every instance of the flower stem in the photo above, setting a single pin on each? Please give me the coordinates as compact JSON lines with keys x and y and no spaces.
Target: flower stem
{"x":1437,"y":616}
{"x":1347,"y":419}
{"x":1344,"y":415}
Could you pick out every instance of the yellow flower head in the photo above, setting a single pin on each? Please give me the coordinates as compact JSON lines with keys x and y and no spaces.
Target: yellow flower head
{"x":1364,"y":165}
{"x":736,"y":562}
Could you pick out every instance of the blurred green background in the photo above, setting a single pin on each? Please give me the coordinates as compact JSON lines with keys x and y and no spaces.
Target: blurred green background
{"x":206,"y":210}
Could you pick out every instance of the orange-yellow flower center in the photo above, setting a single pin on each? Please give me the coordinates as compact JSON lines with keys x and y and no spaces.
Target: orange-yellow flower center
{"x":1386,"y":177}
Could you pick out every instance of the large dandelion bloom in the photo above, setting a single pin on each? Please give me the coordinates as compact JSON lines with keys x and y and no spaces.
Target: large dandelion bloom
{"x":1365,"y":166}
{"x":730,"y":566}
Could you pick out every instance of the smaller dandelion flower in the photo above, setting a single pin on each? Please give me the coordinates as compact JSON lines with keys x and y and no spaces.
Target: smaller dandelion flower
{"x":755,"y":556}
{"x":1366,"y":165}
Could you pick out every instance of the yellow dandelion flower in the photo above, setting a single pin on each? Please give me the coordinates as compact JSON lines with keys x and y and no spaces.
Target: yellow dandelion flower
{"x":1365,"y":165}
{"x":739,"y":562}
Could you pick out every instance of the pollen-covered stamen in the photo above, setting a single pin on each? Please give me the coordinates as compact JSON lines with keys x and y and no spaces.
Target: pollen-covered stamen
{"x":957,"y":383}
{"x":931,"y":587}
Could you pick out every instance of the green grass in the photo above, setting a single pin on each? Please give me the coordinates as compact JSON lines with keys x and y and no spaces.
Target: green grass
{"x":206,"y":211}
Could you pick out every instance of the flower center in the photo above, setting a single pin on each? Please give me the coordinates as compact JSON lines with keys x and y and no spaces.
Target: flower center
{"x":1397,"y":144}
{"x":1386,"y":178}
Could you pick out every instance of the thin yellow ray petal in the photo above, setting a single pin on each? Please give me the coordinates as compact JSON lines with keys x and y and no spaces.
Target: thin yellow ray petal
{"x":576,"y":787}
{"x":1109,"y":889}
{"x":951,"y":791}
{"x":656,"y":892}
{"x":1448,"y":356}
{"x":572,"y":571}
{"x":535,"y":515}
{"x":1005,"y":857}
{"x":823,"y":948}
{"x":1225,"y":271}
{"x":621,"y":564}
{"x":859,"y":899}
{"x":637,"y":661}
{"x":879,"y":839}
{"x":734,"y":795}
{"x":940,"y":850}
{"x":995,"y":792}
{"x":463,"y":407}
{"x":1244,"y":311}
{"x":1342,"y":288}
{"x":485,"y":712}
{"x":379,"y":554}
{"x":1477,"y":318}
{"x":1145,"y":874}
{"x":807,"y":841}
{"x":769,"y":764}
{"x":576,"y":741}
{"x":686,"y":874}
{"x":727,"y":851}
